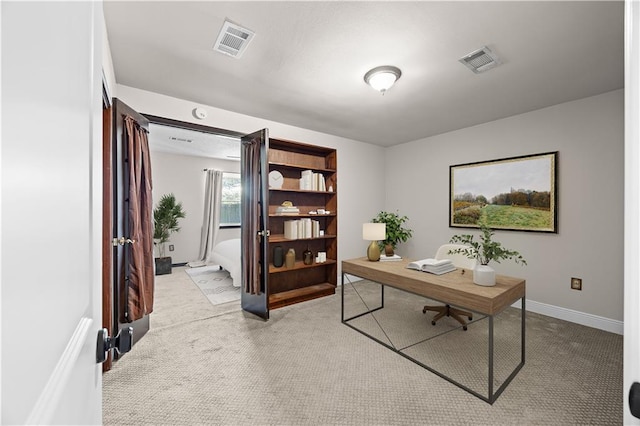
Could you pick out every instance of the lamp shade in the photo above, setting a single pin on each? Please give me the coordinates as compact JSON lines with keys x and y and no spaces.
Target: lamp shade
{"x":374,"y":231}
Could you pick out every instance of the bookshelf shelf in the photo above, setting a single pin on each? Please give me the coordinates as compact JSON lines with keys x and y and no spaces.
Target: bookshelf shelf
{"x":279,"y":238}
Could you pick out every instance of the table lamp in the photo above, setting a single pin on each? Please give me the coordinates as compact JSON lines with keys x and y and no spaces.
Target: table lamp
{"x":374,"y":232}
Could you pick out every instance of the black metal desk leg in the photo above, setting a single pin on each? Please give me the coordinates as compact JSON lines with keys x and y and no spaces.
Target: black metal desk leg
{"x":491,"y":359}
{"x":342,"y":300}
{"x":522,"y":331}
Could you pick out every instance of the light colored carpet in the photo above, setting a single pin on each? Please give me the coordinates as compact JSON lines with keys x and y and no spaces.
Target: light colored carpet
{"x":215,"y":284}
{"x":178,"y":300}
{"x":218,"y":365}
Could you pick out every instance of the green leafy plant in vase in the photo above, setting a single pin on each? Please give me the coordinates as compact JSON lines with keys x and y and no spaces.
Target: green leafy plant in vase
{"x":165,"y":222}
{"x":484,"y":251}
{"x":396,"y":232}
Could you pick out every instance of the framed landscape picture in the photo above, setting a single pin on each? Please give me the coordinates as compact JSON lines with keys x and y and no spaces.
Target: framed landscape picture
{"x":517,"y":193}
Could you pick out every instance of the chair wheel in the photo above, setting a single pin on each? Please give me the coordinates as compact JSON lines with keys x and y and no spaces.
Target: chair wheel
{"x":464,"y":327}
{"x":433,"y":323}
{"x":424,"y":311}
{"x":470,"y":318}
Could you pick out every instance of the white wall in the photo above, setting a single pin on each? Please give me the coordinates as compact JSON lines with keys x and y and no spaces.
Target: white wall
{"x":108,"y":73}
{"x":183,"y":176}
{"x":360,"y":165}
{"x":589,"y":135}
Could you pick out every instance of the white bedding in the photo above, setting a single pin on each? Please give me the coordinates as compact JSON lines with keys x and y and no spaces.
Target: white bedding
{"x":227,"y":255}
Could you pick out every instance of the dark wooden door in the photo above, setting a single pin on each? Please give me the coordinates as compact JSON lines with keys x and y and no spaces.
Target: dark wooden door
{"x":255,"y":214}
{"x":122,"y":252}
{"x":107,"y":224}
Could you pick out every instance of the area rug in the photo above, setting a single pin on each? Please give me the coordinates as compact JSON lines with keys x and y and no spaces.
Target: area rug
{"x":215,"y":284}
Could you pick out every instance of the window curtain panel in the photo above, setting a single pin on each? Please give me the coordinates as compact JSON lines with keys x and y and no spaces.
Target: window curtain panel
{"x":141,"y":273}
{"x":251,"y":217}
{"x":211,"y":217}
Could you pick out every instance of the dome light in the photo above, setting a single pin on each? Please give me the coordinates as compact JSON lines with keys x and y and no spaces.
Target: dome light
{"x":382,"y":78}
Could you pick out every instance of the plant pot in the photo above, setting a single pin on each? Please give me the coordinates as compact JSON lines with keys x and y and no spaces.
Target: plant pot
{"x":163,"y":265}
{"x":484,"y":275}
{"x":388,"y":250}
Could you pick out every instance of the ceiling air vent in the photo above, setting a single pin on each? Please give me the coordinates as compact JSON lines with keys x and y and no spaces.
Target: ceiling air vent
{"x":233,"y":40}
{"x":480,"y":60}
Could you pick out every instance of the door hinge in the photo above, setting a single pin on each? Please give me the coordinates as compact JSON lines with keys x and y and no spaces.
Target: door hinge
{"x":263,"y":233}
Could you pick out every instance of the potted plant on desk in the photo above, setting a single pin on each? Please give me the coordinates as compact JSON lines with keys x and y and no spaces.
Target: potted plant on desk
{"x":165,"y":222}
{"x":395,"y":231}
{"x":484,"y":251}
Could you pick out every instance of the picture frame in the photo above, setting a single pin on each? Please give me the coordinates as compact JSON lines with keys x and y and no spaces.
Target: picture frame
{"x":515,"y":194}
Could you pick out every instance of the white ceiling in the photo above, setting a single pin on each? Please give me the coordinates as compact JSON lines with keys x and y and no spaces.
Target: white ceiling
{"x":306,"y":63}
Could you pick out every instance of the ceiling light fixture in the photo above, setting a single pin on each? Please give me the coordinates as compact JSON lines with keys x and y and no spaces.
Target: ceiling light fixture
{"x":382,"y":78}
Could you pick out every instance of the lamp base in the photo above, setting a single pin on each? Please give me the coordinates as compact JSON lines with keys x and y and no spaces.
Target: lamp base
{"x":373,"y":252}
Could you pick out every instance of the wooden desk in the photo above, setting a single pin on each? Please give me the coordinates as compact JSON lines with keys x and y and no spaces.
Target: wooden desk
{"x":453,"y":288}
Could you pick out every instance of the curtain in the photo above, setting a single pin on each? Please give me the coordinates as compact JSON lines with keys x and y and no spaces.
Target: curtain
{"x":251,"y":216}
{"x":141,"y":275}
{"x":211,"y":216}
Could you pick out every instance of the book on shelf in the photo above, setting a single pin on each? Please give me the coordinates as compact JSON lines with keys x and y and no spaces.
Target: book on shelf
{"x":432,"y":266}
{"x":301,"y":228}
{"x":310,"y":181}
{"x":287,"y":210}
{"x":392,"y":258}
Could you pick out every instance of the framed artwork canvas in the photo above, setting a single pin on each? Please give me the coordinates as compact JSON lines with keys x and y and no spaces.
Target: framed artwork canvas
{"x":517,"y":193}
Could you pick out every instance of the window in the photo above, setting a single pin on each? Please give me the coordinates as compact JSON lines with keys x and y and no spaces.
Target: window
{"x":230,"y":211}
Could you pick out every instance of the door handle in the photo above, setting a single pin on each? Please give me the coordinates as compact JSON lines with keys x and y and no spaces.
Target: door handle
{"x":121,"y":343}
{"x":122,"y":241}
{"x":634,"y":399}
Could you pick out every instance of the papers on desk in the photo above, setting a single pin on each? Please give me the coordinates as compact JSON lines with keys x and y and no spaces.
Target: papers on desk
{"x":392,"y":258}
{"x":433,"y":266}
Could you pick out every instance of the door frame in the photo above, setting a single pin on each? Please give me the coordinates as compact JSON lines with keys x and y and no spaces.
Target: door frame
{"x":631,"y":365}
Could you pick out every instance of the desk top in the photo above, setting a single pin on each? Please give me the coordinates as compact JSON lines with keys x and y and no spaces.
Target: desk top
{"x":452,"y":288}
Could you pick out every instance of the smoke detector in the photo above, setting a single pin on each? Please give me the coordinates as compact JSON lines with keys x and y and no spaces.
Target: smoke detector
{"x":480,"y":60}
{"x":233,"y":40}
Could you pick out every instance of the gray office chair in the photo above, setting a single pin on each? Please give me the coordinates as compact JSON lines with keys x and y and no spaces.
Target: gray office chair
{"x":460,"y":261}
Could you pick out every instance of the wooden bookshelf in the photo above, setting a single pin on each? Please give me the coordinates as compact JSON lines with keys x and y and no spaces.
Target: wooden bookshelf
{"x":302,"y":282}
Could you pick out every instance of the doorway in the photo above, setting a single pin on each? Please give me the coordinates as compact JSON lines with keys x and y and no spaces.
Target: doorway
{"x":179,"y":152}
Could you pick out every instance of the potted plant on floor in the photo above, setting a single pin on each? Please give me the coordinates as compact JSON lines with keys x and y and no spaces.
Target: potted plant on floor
{"x":484,"y":251}
{"x":395,"y":231}
{"x":165,"y":222}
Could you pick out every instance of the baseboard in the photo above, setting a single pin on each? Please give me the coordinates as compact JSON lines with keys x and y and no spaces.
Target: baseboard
{"x":582,"y":318}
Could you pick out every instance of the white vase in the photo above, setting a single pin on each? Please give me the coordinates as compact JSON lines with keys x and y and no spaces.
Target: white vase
{"x":484,"y":275}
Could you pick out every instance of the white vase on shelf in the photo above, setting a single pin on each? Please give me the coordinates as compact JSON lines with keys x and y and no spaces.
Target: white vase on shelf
{"x":484,"y":275}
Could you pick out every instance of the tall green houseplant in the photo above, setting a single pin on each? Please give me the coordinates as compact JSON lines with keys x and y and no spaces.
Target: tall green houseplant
{"x":396,"y":232}
{"x":165,"y":220}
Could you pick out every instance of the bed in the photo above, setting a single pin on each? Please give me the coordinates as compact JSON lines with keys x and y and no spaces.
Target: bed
{"x":227,"y":254}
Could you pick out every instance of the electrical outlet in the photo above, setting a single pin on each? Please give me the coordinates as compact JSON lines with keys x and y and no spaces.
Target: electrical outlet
{"x":576,"y":283}
{"x":171,"y":248}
